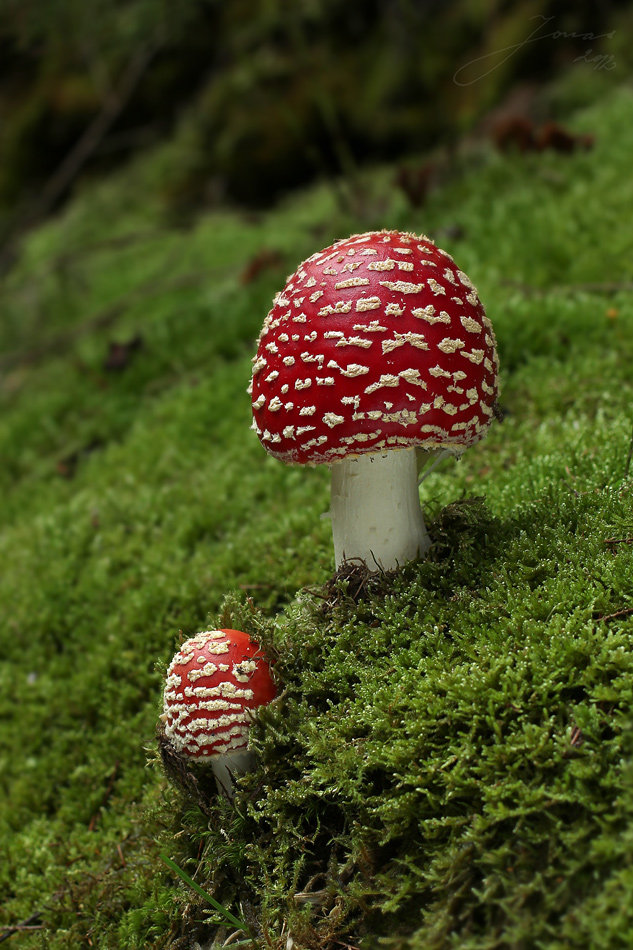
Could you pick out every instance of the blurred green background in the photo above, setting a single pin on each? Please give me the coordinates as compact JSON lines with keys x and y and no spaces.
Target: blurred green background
{"x":264,"y":95}
{"x":163,"y":166}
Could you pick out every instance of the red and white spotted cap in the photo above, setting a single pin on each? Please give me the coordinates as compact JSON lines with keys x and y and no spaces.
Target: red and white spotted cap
{"x":212,"y":683}
{"x":377,"y":342}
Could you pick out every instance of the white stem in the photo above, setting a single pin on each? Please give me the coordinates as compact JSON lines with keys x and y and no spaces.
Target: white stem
{"x":375,"y":509}
{"x":228,"y":764}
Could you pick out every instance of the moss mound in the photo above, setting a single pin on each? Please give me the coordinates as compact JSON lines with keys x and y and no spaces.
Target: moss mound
{"x":449,"y":762}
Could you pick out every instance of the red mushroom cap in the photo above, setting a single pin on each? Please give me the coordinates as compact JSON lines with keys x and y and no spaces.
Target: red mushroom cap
{"x":212,"y":682}
{"x":377,"y":342}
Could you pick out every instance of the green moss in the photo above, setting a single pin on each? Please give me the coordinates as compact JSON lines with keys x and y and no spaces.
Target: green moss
{"x":449,"y":763}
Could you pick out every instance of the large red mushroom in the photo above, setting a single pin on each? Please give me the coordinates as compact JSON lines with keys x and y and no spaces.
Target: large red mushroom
{"x":377,"y":346}
{"x":214,"y":683}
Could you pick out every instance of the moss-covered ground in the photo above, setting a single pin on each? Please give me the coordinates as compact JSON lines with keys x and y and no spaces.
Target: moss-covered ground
{"x":450,"y":763}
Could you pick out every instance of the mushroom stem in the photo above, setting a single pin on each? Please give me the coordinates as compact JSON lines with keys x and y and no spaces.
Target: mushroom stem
{"x":226,"y":765}
{"x":375,"y":510}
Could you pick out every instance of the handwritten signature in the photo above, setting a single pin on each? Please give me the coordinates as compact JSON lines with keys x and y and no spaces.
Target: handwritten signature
{"x":479,"y":66}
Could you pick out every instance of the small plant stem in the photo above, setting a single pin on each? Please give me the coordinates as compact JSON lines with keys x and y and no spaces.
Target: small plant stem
{"x":238,"y":924}
{"x":627,"y":466}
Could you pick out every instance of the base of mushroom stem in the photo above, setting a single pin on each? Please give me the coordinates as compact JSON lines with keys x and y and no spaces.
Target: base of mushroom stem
{"x":228,"y":764}
{"x":375,"y":510}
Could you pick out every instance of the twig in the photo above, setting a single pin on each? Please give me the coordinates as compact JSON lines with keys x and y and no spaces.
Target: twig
{"x":91,"y":138}
{"x":94,"y":134}
{"x":24,"y":926}
{"x":625,"y":612}
{"x":20,"y":928}
{"x":618,"y":541}
{"x":576,"y":738}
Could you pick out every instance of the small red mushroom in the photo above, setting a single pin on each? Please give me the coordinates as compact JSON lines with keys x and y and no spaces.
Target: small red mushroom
{"x":377,"y":346}
{"x":214,"y":682}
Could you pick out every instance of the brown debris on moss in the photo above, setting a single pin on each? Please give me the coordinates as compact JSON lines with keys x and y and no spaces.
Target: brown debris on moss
{"x":196,"y":781}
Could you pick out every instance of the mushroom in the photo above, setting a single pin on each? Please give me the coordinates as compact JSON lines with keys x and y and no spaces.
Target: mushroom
{"x":214,"y":682}
{"x":378,"y":347}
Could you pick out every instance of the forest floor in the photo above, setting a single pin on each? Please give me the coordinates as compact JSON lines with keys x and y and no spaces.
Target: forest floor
{"x":451,"y":761}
